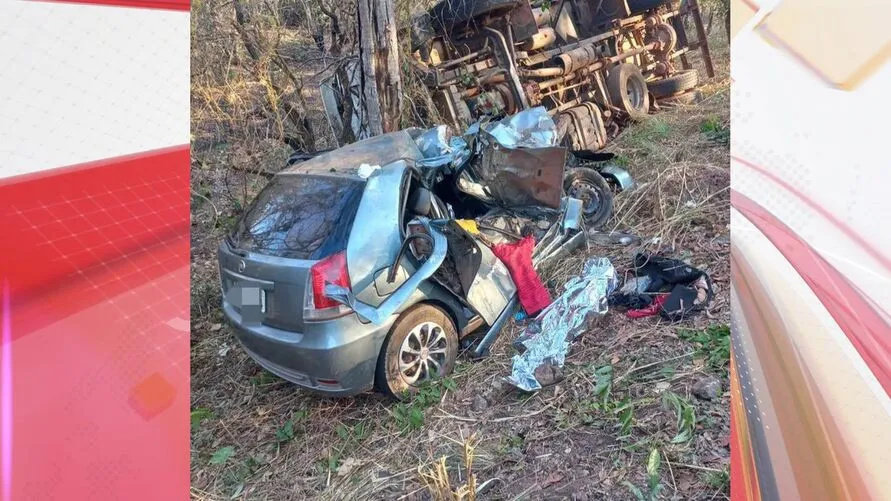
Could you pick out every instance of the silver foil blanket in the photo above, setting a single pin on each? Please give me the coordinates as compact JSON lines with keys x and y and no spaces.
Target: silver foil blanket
{"x":547,"y":337}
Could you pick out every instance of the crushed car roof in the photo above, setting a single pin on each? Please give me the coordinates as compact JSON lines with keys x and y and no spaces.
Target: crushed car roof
{"x":377,"y":150}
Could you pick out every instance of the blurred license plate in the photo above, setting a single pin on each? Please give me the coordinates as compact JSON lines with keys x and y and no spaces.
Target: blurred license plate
{"x":250,"y":300}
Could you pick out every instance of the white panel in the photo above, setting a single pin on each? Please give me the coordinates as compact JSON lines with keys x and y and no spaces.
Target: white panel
{"x":80,"y":83}
{"x":790,"y":122}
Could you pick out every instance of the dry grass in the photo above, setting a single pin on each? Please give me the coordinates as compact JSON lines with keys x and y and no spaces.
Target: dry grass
{"x":437,"y":481}
{"x":567,"y":441}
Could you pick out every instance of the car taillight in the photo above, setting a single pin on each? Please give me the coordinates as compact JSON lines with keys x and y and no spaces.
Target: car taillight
{"x":331,"y":270}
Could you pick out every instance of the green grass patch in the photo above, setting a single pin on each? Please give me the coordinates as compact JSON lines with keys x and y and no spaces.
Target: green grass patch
{"x":197,"y":416}
{"x":686,"y":416}
{"x":647,"y":135}
{"x":222,"y":455}
{"x":286,"y":433}
{"x":264,"y":378}
{"x":654,"y":479}
{"x":718,"y":480}
{"x":714,"y":130}
{"x":711,"y":343}
{"x":409,"y":415}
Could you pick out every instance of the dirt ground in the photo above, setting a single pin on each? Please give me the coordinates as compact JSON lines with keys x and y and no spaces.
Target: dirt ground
{"x":623,"y":424}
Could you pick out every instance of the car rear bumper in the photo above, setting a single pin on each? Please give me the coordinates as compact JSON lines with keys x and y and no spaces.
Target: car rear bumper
{"x":344,"y":350}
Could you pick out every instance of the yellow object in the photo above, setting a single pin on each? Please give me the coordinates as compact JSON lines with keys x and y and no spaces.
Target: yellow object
{"x":469,"y":226}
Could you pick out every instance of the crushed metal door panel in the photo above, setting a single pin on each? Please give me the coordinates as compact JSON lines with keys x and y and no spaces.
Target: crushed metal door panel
{"x":523,"y":177}
{"x":492,"y":288}
{"x":376,"y":236}
{"x":403,"y":294}
{"x":383,"y":287}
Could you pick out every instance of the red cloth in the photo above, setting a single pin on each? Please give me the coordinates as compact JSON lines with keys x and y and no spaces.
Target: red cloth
{"x":650,"y":310}
{"x":534,"y":296}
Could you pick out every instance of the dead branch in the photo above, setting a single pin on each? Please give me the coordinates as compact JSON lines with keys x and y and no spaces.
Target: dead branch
{"x":288,"y":107}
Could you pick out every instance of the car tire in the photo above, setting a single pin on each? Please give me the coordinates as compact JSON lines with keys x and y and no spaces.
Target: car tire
{"x":628,"y":90}
{"x":587,"y":184}
{"x":675,"y":84}
{"x":421,"y":326}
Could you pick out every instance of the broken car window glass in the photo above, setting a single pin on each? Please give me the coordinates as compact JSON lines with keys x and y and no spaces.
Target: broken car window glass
{"x":300,"y":217}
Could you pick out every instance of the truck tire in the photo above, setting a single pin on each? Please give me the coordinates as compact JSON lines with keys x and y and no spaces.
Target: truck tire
{"x":422,"y":338}
{"x":593,"y":190}
{"x":641,"y":6}
{"x":447,"y":14}
{"x":675,"y":84}
{"x":682,"y":99}
{"x":628,"y":90}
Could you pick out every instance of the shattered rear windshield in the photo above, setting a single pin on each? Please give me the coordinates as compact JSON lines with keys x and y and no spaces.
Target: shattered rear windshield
{"x":300,"y":217}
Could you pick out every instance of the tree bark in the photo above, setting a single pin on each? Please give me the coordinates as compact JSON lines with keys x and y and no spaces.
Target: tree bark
{"x":727,"y":23}
{"x":727,"y":18}
{"x":389,"y":80}
{"x":379,"y":55}
{"x":368,"y":62}
{"x":242,"y":23}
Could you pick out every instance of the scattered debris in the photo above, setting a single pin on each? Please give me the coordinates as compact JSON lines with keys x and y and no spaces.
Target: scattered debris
{"x":534,"y":296}
{"x":612,"y":238}
{"x":365,"y":171}
{"x":224,"y":350}
{"x":648,"y":311}
{"x":669,"y":287}
{"x":662,"y":386}
{"x":707,"y":388}
{"x":548,"y":374}
{"x":347,"y":466}
{"x":479,"y":404}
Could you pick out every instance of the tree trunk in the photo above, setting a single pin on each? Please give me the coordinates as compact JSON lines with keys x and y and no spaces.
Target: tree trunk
{"x":727,"y":18}
{"x":242,"y":25}
{"x":336,"y":32}
{"x":389,"y":80}
{"x":379,"y":55}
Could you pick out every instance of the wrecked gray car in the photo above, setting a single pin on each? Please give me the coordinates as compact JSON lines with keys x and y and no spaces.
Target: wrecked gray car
{"x":590,"y":176}
{"x":350,"y":269}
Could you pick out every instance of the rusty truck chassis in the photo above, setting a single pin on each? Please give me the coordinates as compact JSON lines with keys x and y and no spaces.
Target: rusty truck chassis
{"x":499,"y":63}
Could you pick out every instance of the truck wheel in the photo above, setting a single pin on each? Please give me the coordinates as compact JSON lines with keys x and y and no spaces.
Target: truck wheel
{"x":682,"y":99}
{"x":448,"y":14}
{"x":591,"y":188}
{"x":628,"y":90}
{"x":422,"y":345}
{"x":641,"y":6}
{"x":675,"y":84}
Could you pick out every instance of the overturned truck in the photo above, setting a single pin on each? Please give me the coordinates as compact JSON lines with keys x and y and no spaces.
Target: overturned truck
{"x":591,"y":63}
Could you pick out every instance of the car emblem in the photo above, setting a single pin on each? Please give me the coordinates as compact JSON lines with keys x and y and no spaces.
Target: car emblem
{"x":241,"y":266}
